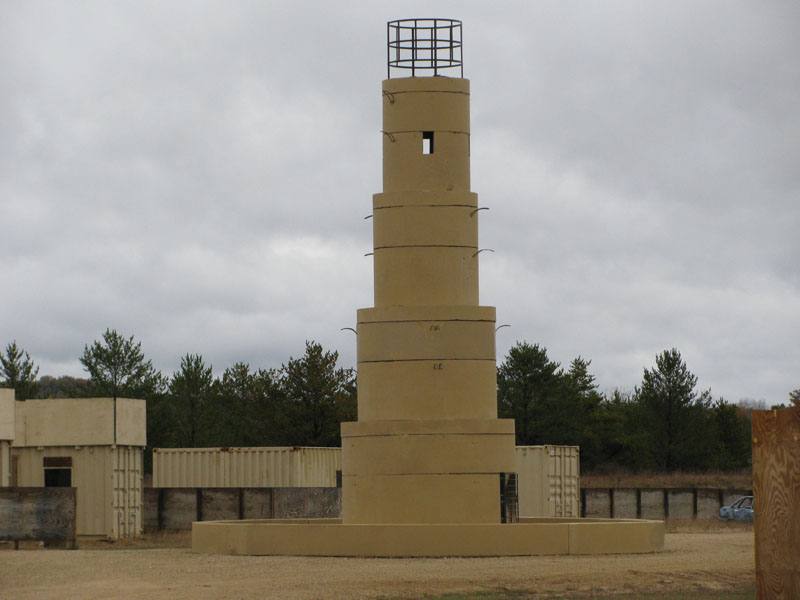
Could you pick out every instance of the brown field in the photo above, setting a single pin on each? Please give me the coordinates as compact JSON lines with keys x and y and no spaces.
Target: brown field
{"x":709,"y":562}
{"x":732,"y":480}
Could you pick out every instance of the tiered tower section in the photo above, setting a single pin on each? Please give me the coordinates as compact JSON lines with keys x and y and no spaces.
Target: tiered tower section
{"x":427,"y":447}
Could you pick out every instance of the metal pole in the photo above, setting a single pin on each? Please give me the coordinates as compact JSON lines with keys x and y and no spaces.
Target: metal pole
{"x":461,"y":47}
{"x":434,"y":57}
{"x":451,"y":42}
{"x":414,"y":49}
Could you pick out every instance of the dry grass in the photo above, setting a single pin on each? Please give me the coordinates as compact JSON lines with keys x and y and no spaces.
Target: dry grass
{"x":159,"y":539}
{"x":746,"y":594}
{"x":706,"y":526}
{"x":147,"y":541}
{"x":735,"y":480}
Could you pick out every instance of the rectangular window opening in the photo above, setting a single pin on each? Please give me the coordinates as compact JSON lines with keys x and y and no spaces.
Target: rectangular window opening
{"x":427,"y":142}
{"x":58,"y":478}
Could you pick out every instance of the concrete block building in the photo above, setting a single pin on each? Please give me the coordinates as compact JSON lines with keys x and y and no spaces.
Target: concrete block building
{"x":92,"y":444}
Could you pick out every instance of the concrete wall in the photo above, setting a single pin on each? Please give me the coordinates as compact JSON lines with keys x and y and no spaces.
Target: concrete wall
{"x":7,"y":433}
{"x":5,"y":463}
{"x":131,"y":422}
{"x":642,"y":503}
{"x":37,"y":514}
{"x":177,"y":508}
{"x":80,"y":422}
{"x":7,"y":430}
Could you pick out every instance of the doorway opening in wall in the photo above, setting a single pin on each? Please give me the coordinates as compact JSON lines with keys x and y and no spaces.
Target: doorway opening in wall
{"x":427,"y":142}
{"x":14,"y":471}
{"x":58,"y":471}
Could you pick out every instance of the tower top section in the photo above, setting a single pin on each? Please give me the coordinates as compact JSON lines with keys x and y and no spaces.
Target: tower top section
{"x":424,"y":48}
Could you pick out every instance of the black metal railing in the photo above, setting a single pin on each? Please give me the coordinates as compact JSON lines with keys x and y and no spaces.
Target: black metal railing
{"x":425,"y":47}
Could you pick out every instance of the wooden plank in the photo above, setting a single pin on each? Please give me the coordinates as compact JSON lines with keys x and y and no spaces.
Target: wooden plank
{"x":776,"y":483}
{"x":42,"y":514}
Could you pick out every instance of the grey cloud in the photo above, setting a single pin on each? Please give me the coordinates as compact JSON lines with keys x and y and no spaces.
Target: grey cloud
{"x":196,"y":174}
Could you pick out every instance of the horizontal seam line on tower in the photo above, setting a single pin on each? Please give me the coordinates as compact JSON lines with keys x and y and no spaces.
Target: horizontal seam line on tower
{"x":418,"y":130}
{"x":393,"y":360}
{"x":428,"y":92}
{"x":473,"y":206}
{"x":425,"y":246}
{"x":428,"y":321}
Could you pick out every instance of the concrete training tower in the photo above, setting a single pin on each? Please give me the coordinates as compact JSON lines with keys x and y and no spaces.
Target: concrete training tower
{"x":423,"y":467}
{"x":427,"y":447}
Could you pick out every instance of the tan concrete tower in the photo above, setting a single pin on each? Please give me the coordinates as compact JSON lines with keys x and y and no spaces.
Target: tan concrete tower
{"x":427,"y":447}
{"x":423,"y":465}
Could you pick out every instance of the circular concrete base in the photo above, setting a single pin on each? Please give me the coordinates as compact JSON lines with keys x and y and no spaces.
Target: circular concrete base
{"x":330,"y":537}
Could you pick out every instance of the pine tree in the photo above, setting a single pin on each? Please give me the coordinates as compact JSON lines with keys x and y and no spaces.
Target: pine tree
{"x":117,"y":367}
{"x":673,"y":413}
{"x":528,"y":384}
{"x":18,"y":371}
{"x":319,"y":396}
{"x":731,"y":428}
{"x":190,"y":391}
{"x":579,"y":412}
{"x":794,"y":398}
{"x":247,"y":409}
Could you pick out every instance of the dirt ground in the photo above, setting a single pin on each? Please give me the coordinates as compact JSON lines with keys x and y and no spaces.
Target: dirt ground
{"x":717,"y":561}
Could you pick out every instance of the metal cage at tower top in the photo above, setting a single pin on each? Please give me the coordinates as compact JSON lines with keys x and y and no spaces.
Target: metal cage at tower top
{"x":426,"y":47}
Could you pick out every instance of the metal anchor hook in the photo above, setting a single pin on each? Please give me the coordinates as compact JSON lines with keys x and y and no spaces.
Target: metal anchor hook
{"x":477,"y":209}
{"x":496,"y":329}
{"x":389,"y":135}
{"x":389,"y":96}
{"x":349,"y":329}
{"x":482,"y":250}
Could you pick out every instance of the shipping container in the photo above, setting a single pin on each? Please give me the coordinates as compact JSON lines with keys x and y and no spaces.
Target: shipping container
{"x":246,"y":467}
{"x":549,"y":481}
{"x":108,"y":480}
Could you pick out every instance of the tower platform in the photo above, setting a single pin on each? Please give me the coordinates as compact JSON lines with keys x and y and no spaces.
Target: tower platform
{"x":330,"y":537}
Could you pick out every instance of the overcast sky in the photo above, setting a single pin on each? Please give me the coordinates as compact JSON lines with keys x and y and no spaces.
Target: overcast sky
{"x":196,"y":174}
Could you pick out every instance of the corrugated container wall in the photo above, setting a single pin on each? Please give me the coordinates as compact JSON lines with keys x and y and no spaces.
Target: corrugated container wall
{"x":108,"y":479}
{"x":126,"y":509}
{"x":549,"y":481}
{"x":246,"y":467}
{"x":5,"y":463}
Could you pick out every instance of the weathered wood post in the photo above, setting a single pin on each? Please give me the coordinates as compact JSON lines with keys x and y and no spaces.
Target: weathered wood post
{"x":776,"y":487}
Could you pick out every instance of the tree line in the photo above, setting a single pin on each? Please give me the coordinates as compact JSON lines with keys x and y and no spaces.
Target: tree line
{"x":664,"y":424}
